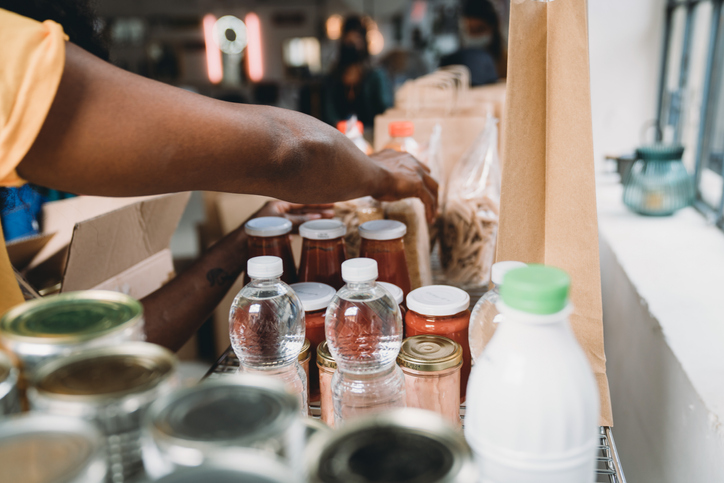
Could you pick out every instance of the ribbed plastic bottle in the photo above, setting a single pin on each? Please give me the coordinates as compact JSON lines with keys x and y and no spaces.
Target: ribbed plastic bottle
{"x":532,"y":404}
{"x":363,"y":327}
{"x":266,"y":325}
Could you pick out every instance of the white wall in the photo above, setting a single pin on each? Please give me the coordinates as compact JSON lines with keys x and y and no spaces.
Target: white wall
{"x":625,"y":44}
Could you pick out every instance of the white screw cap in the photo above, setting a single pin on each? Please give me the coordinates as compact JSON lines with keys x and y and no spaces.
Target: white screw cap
{"x":322,"y":229}
{"x":501,"y":268}
{"x":394,"y":290}
{"x":359,"y":270}
{"x":266,"y":226}
{"x":382,"y":230}
{"x":264,"y":267}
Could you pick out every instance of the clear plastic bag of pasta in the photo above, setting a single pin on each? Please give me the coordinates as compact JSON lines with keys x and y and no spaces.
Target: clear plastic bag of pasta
{"x":470,"y":213}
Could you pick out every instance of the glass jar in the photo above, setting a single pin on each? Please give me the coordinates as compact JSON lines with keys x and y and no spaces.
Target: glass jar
{"x":356,"y":395}
{"x":327,"y":368}
{"x":270,"y":236}
{"x":431,"y":364}
{"x":485,"y":316}
{"x":441,"y":310}
{"x":401,"y":139}
{"x":323,"y":252}
{"x":398,"y":295}
{"x":315,"y":298}
{"x":382,"y":240}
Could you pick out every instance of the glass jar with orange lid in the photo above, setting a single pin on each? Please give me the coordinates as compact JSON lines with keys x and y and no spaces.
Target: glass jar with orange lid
{"x":401,"y":139}
{"x":323,"y":252}
{"x":382,"y":240}
{"x":269,"y":236}
{"x":315,"y":299}
{"x":441,"y":310}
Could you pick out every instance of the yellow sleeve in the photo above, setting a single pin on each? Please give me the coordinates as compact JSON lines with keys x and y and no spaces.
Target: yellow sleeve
{"x":32,"y":57}
{"x":10,"y":294}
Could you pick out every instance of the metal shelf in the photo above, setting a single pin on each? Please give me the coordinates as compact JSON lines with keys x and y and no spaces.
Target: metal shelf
{"x":609,"y":464}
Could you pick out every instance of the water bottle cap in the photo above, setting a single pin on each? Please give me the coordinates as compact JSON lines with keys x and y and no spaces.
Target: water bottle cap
{"x":322,"y":229}
{"x":401,"y":129}
{"x":314,"y":296}
{"x":501,"y":268}
{"x":536,"y":289}
{"x":264,"y":267}
{"x":395,"y":291}
{"x":267,"y":226}
{"x":382,"y":230}
{"x":359,"y":270}
{"x":438,"y":300}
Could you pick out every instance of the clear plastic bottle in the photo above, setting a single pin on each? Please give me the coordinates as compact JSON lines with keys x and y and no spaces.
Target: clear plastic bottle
{"x":354,"y":130}
{"x":401,"y":139}
{"x":485,"y":317}
{"x":266,"y":325}
{"x":363,"y":327}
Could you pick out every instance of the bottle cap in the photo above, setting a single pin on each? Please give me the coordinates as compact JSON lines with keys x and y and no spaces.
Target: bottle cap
{"x":322,"y":229}
{"x":438,"y":300}
{"x":264,"y":267}
{"x":501,"y":268}
{"x":324,"y":357}
{"x":536,"y":289}
{"x":401,"y":129}
{"x":266,"y":226}
{"x":342,"y":126}
{"x":314,"y":296}
{"x":430,"y":353}
{"x":359,"y":270}
{"x":395,"y":291}
{"x":382,"y":230}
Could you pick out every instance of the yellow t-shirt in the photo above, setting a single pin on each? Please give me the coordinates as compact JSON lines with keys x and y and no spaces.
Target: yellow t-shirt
{"x":31,"y":64}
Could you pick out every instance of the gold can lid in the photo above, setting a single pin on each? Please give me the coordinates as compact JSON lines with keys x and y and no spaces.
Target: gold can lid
{"x":324,"y":357}
{"x":306,"y":348}
{"x":430,"y":353}
{"x":106,"y":373}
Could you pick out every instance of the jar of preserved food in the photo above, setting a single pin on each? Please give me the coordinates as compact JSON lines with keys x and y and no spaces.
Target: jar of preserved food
{"x":323,"y":252}
{"x":401,"y":139}
{"x":9,"y":397}
{"x":43,"y":329}
{"x":111,"y":387}
{"x":327,"y":367}
{"x":441,"y":310}
{"x":397,"y":294}
{"x":315,"y":299}
{"x":382,"y":240}
{"x":269,"y":236}
{"x":431,"y":364}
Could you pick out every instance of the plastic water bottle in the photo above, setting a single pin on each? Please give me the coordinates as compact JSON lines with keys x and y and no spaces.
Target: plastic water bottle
{"x":266,"y":325}
{"x":532,"y":404}
{"x":363,"y":327}
{"x":485,"y":317}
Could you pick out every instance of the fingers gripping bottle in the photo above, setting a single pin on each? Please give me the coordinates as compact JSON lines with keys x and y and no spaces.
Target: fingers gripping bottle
{"x":266,"y":325}
{"x":363,"y":327}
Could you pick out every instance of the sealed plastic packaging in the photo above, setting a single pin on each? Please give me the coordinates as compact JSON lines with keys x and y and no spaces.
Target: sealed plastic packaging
{"x":382,"y":241}
{"x":270,"y":236}
{"x":323,"y":252}
{"x":327,"y":367}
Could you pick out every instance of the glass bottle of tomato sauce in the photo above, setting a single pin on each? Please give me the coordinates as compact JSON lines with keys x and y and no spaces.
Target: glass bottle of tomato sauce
{"x":323,"y":252}
{"x":269,"y":236}
{"x":382,"y":241}
{"x":441,"y":310}
{"x":315,"y":298}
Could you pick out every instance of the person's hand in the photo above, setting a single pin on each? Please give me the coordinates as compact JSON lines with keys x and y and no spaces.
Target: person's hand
{"x":295,"y":212}
{"x":408,"y":178}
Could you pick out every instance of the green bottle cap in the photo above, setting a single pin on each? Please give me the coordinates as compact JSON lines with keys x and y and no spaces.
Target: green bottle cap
{"x":536,"y":289}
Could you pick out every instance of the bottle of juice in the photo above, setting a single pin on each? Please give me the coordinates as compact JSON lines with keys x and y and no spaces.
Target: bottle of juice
{"x":401,"y":139}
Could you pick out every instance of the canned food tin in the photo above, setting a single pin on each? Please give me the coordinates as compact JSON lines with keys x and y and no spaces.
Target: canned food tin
{"x":223,"y":419}
{"x":111,"y":386}
{"x":245,"y":469}
{"x":41,"y":329}
{"x":411,"y":442}
{"x":9,"y":398}
{"x":38,"y":448}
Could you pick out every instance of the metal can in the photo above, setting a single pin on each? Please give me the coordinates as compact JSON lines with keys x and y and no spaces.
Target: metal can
{"x":223,"y":418}
{"x":38,"y":448}
{"x":244,"y":469}
{"x":411,"y":442}
{"x":9,"y":397}
{"x":58,"y":325}
{"x":112,"y":387}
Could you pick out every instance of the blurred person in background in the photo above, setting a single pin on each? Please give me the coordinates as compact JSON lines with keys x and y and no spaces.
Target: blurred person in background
{"x":482,"y":47}
{"x":355,"y":87}
{"x":73,"y":122}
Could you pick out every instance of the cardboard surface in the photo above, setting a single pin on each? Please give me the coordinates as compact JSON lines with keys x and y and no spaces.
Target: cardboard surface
{"x":22,"y":251}
{"x":548,"y":198}
{"x":142,"y":278}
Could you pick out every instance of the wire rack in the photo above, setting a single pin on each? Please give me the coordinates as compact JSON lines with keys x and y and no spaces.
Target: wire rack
{"x":608,"y":469}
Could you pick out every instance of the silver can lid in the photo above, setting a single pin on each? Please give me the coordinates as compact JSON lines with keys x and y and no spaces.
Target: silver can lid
{"x":243,"y":469}
{"x":402,"y":445}
{"x":38,"y":448}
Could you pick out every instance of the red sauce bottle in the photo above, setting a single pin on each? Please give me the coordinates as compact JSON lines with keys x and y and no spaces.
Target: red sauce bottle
{"x":323,"y":252}
{"x":382,"y":241}
{"x":315,"y":298}
{"x":269,"y":235}
{"x":441,"y":310}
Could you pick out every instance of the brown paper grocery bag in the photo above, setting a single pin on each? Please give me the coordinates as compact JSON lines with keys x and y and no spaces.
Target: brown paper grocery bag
{"x":548,"y":196}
